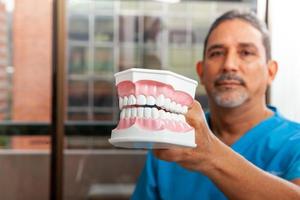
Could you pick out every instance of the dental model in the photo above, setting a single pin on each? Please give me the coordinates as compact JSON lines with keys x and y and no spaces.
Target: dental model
{"x":153,"y":104}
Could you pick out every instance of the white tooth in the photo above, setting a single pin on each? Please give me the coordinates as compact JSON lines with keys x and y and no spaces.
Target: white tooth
{"x":150,"y":100}
{"x":131,"y":100}
{"x":173,"y":106}
{"x":167,"y":104}
{"x":125,"y":101}
{"x":133,"y":112}
{"x":122,"y":115}
{"x":160,"y":100}
{"x":120,"y":102}
{"x":162,"y":114}
{"x":168,"y":115}
{"x":174,"y":116}
{"x":140,"y":112}
{"x":178,"y":108}
{"x":147,"y":112}
{"x":182,"y":118}
{"x":177,"y":117}
{"x":128,"y":113}
{"x":141,"y":100}
{"x":155,"y":114}
{"x":184,"y":109}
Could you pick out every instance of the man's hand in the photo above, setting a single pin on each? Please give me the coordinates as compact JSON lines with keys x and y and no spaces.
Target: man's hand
{"x":194,"y":158}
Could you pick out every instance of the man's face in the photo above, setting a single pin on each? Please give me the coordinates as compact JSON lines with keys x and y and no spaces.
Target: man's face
{"x":235,"y":68}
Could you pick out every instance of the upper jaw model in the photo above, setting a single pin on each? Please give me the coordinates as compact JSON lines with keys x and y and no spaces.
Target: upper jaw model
{"x":153,"y":104}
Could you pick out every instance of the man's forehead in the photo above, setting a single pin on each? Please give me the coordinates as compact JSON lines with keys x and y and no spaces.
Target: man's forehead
{"x":238,"y":45}
{"x":235,"y":32}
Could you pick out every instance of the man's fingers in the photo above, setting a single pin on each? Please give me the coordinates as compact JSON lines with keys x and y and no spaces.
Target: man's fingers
{"x":172,"y":155}
{"x":195,"y":115}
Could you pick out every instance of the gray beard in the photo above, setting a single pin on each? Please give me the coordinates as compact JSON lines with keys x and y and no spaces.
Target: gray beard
{"x":226,"y":100}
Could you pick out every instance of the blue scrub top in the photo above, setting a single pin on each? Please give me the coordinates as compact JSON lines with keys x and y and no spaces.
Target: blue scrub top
{"x":273,"y":145}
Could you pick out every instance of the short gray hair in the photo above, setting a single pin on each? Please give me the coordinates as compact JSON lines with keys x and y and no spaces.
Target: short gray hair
{"x":248,"y":17}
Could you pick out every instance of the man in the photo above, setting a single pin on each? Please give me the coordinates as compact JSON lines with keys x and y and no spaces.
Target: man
{"x":245,"y":149}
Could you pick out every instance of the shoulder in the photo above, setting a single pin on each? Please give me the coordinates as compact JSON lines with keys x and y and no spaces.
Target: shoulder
{"x":291,"y":128}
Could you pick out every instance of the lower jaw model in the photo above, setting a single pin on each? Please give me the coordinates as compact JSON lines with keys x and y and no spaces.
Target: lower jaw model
{"x":153,"y":104}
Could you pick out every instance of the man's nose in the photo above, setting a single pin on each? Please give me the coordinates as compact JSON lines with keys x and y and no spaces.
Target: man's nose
{"x":231,"y":62}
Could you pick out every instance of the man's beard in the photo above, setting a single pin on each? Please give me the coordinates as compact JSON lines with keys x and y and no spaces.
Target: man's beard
{"x":229,"y":97}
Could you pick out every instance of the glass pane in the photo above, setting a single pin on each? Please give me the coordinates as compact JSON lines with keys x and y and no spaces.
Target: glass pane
{"x":104,"y":28}
{"x":78,"y":93}
{"x":103,"y":94}
{"x":152,"y":30}
{"x":79,"y":28}
{"x":103,"y":61}
{"x":78,"y":6}
{"x":179,"y":32}
{"x":129,"y":56}
{"x":104,"y":6}
{"x":78,"y":60}
{"x":77,"y":115}
{"x":129,"y":28}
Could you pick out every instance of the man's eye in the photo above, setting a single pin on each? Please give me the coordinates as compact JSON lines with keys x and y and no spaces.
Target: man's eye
{"x":215,"y":54}
{"x":246,"y":53}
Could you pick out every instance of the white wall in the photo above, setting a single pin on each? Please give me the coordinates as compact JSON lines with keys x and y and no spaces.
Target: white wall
{"x":284,"y":25}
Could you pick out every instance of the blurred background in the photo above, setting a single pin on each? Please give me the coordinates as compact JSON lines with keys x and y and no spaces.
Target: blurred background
{"x":101,"y":38}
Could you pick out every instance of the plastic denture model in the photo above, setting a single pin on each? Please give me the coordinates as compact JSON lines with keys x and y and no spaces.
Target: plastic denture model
{"x":153,"y":104}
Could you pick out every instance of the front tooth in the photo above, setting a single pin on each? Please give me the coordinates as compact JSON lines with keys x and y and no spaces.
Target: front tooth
{"x":155,"y":114}
{"x":133,"y":112}
{"x":150,"y":100}
{"x":167,"y":104}
{"x":131,"y":100}
{"x":162,"y":114}
{"x":120,"y":102}
{"x":147,"y":113}
{"x":140,"y":112}
{"x":125,"y":101}
{"x":160,"y":100}
{"x":122,"y":115}
{"x":141,"y":100}
{"x":128,"y":113}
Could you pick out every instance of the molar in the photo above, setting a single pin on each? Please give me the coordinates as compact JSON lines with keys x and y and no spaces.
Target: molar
{"x":181,"y":118}
{"x":167,"y":115}
{"x":184,"y":109}
{"x":178,"y":108}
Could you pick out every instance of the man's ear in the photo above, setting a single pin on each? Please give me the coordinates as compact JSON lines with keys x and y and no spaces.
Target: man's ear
{"x":272,"y":71}
{"x":199,"y":68}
